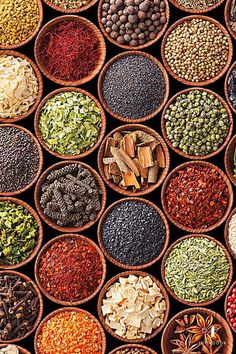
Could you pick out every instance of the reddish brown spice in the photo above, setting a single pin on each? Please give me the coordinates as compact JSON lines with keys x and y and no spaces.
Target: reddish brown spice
{"x":197,"y":196}
{"x":70,"y":269}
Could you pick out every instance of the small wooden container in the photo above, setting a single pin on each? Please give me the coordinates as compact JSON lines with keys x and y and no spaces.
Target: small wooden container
{"x":27,"y":279}
{"x":40,"y":87}
{"x":50,"y":222}
{"x":229,"y":159}
{"x":200,"y":83}
{"x":225,"y":332}
{"x":15,"y":46}
{"x":195,"y":11}
{"x":128,"y":47}
{"x":226,"y":233}
{"x":40,"y":232}
{"x":151,"y":187}
{"x":103,"y":73}
{"x":47,"y":28}
{"x":104,"y":291}
{"x":226,"y":14}
{"x":42,"y":252}
{"x":172,"y":293}
{"x":13,"y":193}
{"x":225,"y":305}
{"x":233,"y":66}
{"x":67,"y":309}
{"x":180,"y":152}
{"x":113,"y":260}
{"x":70,"y":11}
{"x":39,"y":135}
{"x":21,"y":350}
{"x":165,"y":186}
{"x":133,"y":346}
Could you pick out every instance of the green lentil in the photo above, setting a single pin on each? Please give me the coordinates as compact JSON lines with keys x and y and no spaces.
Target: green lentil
{"x":197,"y":269}
{"x":19,"y":233}
{"x":70,"y":123}
{"x":197,"y":123}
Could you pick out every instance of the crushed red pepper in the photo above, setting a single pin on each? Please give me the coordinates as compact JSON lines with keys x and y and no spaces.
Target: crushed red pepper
{"x":70,"y":269}
{"x":197,"y":196}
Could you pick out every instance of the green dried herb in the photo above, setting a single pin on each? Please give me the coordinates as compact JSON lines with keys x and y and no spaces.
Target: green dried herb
{"x":70,"y":123}
{"x":197,"y":269}
{"x":18,"y":233}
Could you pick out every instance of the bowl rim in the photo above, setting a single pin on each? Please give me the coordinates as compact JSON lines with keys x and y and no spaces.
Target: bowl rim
{"x":233,"y":66}
{"x":150,"y":351}
{"x":226,"y":17}
{"x":233,"y":285}
{"x":195,"y":10}
{"x":70,"y":11}
{"x":226,"y":233}
{"x":226,"y":159}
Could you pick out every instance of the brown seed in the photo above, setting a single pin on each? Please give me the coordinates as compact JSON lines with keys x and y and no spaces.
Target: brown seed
{"x":142,"y":15}
{"x":133,"y":19}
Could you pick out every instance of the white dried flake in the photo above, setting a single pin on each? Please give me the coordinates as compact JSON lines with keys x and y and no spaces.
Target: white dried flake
{"x":232,"y":233}
{"x":18,"y":86}
{"x":10,"y":349}
{"x":134,"y":306}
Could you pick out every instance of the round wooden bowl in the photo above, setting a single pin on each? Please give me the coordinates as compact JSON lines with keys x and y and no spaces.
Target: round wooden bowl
{"x":200,"y":83}
{"x":14,"y":46}
{"x":40,"y":232}
{"x":103,"y":293}
{"x":133,"y":346}
{"x":172,"y":293}
{"x":27,"y":279}
{"x":67,"y":309}
{"x":225,"y":305}
{"x":226,"y":15}
{"x":42,"y":252}
{"x":70,"y":11}
{"x":139,"y":47}
{"x":21,"y":350}
{"x":165,"y":186}
{"x":225,"y":332}
{"x":196,"y":11}
{"x":226,"y":233}
{"x":40,"y":87}
{"x":39,"y":135}
{"x":48,"y":27}
{"x":51,"y":223}
{"x":178,"y":151}
{"x":163,"y":174}
{"x":229,"y":159}
{"x":103,"y":73}
{"x":233,"y":66}
{"x":113,"y":260}
{"x":26,"y":131}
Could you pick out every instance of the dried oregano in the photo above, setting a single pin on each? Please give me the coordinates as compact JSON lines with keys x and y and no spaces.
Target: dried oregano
{"x":197,"y":269}
{"x":70,"y":123}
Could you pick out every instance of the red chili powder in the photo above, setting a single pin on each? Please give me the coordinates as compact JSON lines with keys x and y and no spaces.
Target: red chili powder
{"x":71,"y":269}
{"x":197,"y":197}
{"x":70,"y":50}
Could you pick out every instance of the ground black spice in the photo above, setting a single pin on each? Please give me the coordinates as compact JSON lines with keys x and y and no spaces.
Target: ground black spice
{"x":133,"y":233}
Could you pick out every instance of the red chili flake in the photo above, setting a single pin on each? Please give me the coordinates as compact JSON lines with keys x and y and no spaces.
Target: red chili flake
{"x":197,"y":196}
{"x":71,"y":269}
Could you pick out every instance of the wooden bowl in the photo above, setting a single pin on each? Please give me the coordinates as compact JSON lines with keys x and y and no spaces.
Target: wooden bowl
{"x":226,"y":233}
{"x":180,"y":152}
{"x":14,"y":46}
{"x":113,"y":260}
{"x":70,"y":11}
{"x":67,"y":309}
{"x":40,"y":87}
{"x":27,"y":279}
{"x":21,"y":350}
{"x":181,"y":167}
{"x":139,"y":47}
{"x":103,"y":73}
{"x":225,"y":305}
{"x":103,"y":293}
{"x":139,"y":346}
{"x":226,"y":15}
{"x":39,"y":135}
{"x":152,"y":187}
{"x":195,"y":11}
{"x":26,"y":131}
{"x":233,"y":66}
{"x":225,"y":332}
{"x":51,"y":223}
{"x":48,"y":27}
{"x":42,"y":252}
{"x":40,"y":232}
{"x":200,"y":83}
{"x":229,"y":159}
{"x":172,"y":293}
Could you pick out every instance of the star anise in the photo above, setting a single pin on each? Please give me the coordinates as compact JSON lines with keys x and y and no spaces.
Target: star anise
{"x":205,"y":329}
{"x":184,"y":323}
{"x":184,"y":345}
{"x":210,"y":349}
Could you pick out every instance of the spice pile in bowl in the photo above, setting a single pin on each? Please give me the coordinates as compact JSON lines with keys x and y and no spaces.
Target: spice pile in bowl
{"x":198,"y":4}
{"x":231,"y":87}
{"x":232,"y":234}
{"x":132,"y":349}
{"x":232,"y":15}
{"x":70,"y":4}
{"x":231,"y":307}
{"x":10,"y":349}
